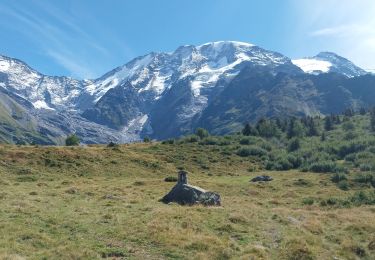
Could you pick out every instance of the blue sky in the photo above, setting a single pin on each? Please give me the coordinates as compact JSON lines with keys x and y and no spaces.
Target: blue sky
{"x":87,"y":38}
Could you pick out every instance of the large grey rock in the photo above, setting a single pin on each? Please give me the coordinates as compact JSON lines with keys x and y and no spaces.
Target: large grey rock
{"x":185,"y":194}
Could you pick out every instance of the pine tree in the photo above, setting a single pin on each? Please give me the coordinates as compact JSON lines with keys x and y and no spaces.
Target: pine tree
{"x":202,"y":133}
{"x":249,"y":130}
{"x":328,"y":124}
{"x":323,"y":137}
{"x":295,"y":128}
{"x":362,"y":111}
{"x":372,"y":119}
{"x":72,"y":140}
{"x":312,"y":128}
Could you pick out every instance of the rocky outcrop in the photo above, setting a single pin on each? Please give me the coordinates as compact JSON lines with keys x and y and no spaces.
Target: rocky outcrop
{"x":262,"y":178}
{"x":185,"y":194}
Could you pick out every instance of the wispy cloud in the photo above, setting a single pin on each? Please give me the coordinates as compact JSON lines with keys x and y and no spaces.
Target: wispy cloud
{"x":59,"y":36}
{"x":346,"y":26}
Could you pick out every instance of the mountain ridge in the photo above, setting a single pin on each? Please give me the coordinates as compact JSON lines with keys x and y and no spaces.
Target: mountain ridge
{"x":168,"y":94}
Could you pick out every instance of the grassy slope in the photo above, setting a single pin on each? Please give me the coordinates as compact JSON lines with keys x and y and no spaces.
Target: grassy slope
{"x":93,"y":202}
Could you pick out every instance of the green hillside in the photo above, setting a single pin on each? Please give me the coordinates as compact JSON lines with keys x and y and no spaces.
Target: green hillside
{"x":95,"y":202}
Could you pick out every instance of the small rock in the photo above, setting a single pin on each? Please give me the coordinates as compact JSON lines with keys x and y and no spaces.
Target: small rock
{"x":262,"y":178}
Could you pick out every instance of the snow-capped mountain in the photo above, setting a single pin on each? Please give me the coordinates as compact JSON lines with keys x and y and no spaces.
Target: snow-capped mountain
{"x":163,"y":95}
{"x":44,"y":92}
{"x":329,"y":62}
{"x":149,"y":80}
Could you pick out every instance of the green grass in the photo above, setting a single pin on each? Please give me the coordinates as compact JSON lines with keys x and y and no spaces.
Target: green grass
{"x":99,"y":202}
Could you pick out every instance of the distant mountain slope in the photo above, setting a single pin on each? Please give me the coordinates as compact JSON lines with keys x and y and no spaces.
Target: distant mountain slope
{"x":218,"y":85}
{"x":329,"y":62}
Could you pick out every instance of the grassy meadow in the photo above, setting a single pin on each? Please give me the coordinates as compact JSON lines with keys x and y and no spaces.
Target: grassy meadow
{"x":96,"y":201}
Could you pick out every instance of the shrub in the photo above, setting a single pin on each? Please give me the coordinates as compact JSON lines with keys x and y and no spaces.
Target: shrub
{"x":364,"y":178}
{"x":171,"y":179}
{"x":146,"y":139}
{"x":72,"y":140}
{"x":191,"y":139}
{"x":296,"y":161}
{"x":112,"y":145}
{"x":202,"y":133}
{"x":209,"y":141}
{"x":353,"y":147}
{"x":294,"y":145}
{"x":366,"y":167}
{"x":322,"y":167}
{"x":308,"y":201}
{"x":251,"y":151}
{"x":363,"y":198}
{"x":247,"y":141}
{"x":343,"y":185}
{"x":337,"y":177}
{"x":168,"y":141}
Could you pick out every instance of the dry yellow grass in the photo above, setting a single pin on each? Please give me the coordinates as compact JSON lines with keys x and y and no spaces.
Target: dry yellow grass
{"x":98,"y":202}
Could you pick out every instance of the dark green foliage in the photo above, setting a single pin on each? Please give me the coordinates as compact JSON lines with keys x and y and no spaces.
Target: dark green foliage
{"x":170,"y":179}
{"x":72,"y":140}
{"x":267,"y":128}
{"x":191,"y":139}
{"x":362,"y":111}
{"x":328,"y":124}
{"x":343,"y":185}
{"x":248,"y":141}
{"x":146,"y":139}
{"x":112,"y":145}
{"x":308,"y":201}
{"x":372,"y":119}
{"x":209,"y":141}
{"x":251,"y":151}
{"x":296,"y":128}
{"x":294,"y":145}
{"x":249,"y":130}
{"x":337,"y":177}
{"x":202,"y":133}
{"x":168,"y":141}
{"x":324,"y":166}
{"x":323,"y":137}
{"x":364,"y":178}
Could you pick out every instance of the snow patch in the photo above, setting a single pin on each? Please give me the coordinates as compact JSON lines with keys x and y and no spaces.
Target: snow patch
{"x":4,"y":65}
{"x":313,"y":65}
{"x":40,"y":104}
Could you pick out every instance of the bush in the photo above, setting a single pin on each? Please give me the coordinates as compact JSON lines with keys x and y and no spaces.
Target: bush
{"x":72,"y":140}
{"x":364,"y":178}
{"x":209,"y":141}
{"x":337,"y":177}
{"x":168,"y":141}
{"x":112,"y":145}
{"x":294,"y":145}
{"x":323,"y":167}
{"x":247,"y":141}
{"x":308,"y":201}
{"x":191,"y":139}
{"x":251,"y":151}
{"x":296,"y":161}
{"x":146,"y":139}
{"x":343,"y":185}
{"x":171,"y":179}
{"x":202,"y":133}
{"x":365,"y":167}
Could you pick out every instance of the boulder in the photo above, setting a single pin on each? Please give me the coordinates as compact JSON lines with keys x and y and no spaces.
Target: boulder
{"x":262,"y":178}
{"x":185,"y":194}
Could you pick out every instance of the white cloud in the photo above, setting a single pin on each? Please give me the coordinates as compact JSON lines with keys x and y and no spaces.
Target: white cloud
{"x":345,"y":26}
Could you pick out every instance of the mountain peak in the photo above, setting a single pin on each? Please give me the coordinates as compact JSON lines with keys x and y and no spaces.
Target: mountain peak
{"x":326,"y":61}
{"x":220,"y":44}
